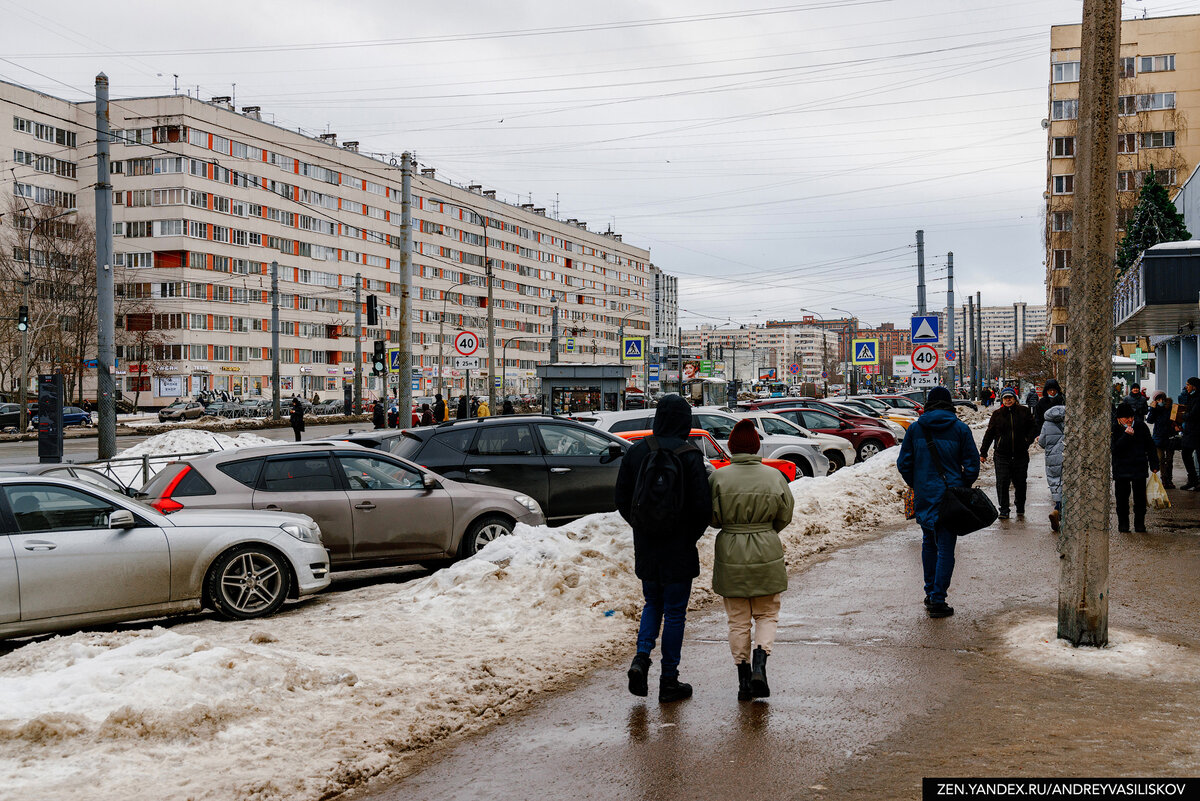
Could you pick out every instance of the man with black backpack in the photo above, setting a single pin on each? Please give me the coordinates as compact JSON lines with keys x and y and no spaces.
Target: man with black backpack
{"x":662,"y":492}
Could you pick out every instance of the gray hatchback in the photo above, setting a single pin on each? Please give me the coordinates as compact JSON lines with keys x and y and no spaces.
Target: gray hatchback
{"x":373,"y":508}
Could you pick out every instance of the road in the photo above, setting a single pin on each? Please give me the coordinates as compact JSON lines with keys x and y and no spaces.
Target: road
{"x":869,"y":695}
{"x":84,"y":449}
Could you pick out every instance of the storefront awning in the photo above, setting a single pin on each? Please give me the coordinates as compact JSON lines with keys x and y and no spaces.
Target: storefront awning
{"x":1160,"y":294}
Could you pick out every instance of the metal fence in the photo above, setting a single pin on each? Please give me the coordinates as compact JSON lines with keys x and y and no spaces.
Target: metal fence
{"x":125,"y":470}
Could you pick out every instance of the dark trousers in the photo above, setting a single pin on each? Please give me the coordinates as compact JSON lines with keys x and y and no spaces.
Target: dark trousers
{"x":1138,"y":487}
{"x":1166,"y":466}
{"x":1013,"y":471}
{"x":297,"y":430}
{"x":665,"y":609}
{"x":937,"y":557}
{"x":1189,"y":462}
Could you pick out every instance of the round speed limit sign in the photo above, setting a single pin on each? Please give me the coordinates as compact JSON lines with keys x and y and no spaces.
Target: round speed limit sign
{"x":466,"y":343}
{"x":924,"y":358}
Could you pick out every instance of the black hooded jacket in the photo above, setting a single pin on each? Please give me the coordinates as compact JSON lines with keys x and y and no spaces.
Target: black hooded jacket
{"x":1045,"y":402}
{"x":668,"y":556}
{"x":462,"y":408}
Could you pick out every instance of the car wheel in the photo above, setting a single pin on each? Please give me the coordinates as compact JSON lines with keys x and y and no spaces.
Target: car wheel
{"x":868,"y":449}
{"x":802,"y":466}
{"x":482,"y":532}
{"x":836,"y":460}
{"x":248,"y":582}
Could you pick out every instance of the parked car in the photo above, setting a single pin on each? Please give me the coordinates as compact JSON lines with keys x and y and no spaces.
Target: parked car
{"x":919,"y":396}
{"x":569,"y":468}
{"x":868,"y":438}
{"x":715,"y":454}
{"x":223,"y":409}
{"x":902,"y":403}
{"x":388,"y":440}
{"x":837,"y":450}
{"x":72,"y":416}
{"x":807,"y":456}
{"x":259,"y":407}
{"x":88,"y":556}
{"x":373,"y":508}
{"x":181,"y":410}
{"x":10,"y":415}
{"x":866,"y":410}
{"x":68,"y":471}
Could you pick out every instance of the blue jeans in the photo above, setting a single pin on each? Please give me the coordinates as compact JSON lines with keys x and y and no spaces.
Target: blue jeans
{"x":937,"y":557}
{"x":665,"y":608}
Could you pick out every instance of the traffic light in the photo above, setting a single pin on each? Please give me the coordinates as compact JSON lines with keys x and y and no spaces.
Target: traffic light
{"x":379,"y":361}
{"x":23,"y":318}
{"x":372,"y":310}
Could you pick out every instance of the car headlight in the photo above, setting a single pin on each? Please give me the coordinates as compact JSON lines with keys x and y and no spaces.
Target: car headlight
{"x":304,"y":533}
{"x":528,"y":503}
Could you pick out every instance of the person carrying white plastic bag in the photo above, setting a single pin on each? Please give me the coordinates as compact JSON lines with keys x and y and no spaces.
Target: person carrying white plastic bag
{"x":1156,"y":493}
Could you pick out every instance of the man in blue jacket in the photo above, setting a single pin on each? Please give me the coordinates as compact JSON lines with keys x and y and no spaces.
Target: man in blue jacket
{"x":960,"y":462}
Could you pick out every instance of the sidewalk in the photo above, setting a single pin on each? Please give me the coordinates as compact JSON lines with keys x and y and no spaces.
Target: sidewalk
{"x":870,"y":695}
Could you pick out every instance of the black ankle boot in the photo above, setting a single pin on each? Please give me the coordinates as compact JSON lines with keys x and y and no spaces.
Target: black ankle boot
{"x":673,"y":689}
{"x":637,"y":675}
{"x":744,"y":693}
{"x":758,"y":674}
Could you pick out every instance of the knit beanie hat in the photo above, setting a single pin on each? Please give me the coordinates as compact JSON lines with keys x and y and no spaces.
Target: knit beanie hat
{"x":744,"y":438}
{"x":939,"y":394}
{"x":1008,"y":391}
{"x":1124,"y":410}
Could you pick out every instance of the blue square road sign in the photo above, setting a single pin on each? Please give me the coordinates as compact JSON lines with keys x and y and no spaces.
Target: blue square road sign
{"x":925,"y":328}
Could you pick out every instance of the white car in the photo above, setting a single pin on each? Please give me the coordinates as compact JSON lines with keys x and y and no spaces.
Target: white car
{"x":807,"y":456}
{"x":837,"y":450}
{"x":85,"y":556}
{"x":853,"y":405}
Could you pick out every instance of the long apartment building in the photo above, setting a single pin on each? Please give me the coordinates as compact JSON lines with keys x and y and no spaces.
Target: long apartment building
{"x":205,"y":199}
{"x":1004,"y":328}
{"x":1159,"y":86}
{"x":771,"y":347}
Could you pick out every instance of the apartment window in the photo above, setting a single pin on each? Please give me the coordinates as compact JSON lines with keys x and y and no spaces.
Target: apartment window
{"x":198,"y":261}
{"x":220,"y":233}
{"x":1061,"y":296}
{"x":1156,"y":63}
{"x":197,"y":137}
{"x":199,"y":323}
{"x":1156,"y":101}
{"x":1158,"y":139}
{"x":1125,"y":181}
{"x":1064,"y":184}
{"x":1064,"y":147}
{"x":220,"y":264}
{"x":1064,"y":109}
{"x":1127,"y":143}
{"x":1065,"y":72}
{"x":1062,"y":259}
{"x":139,"y":167}
{"x":168,"y":227}
{"x":1126,"y":67}
{"x":1060,"y":221}
{"x":198,"y":230}
{"x":197,"y":199}
{"x":168,"y":165}
{"x":1163,"y":177}
{"x":169,"y":197}
{"x":1060,"y":335}
{"x":141,"y":228}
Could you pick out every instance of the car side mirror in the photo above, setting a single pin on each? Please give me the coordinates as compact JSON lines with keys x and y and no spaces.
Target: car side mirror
{"x":843,"y":425}
{"x":121,"y":518}
{"x":429,"y":482}
{"x":613,"y":453}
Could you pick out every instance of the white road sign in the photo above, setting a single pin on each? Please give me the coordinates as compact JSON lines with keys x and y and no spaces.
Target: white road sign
{"x":924,"y":380}
{"x":924,"y":358}
{"x":466,"y":362}
{"x":466,"y":343}
{"x":901,"y":366}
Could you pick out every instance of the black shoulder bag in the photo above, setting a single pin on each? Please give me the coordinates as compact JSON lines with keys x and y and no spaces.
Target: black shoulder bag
{"x":963,"y":509}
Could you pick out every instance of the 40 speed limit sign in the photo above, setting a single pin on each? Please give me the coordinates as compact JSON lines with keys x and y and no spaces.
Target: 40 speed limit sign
{"x":924,"y":358}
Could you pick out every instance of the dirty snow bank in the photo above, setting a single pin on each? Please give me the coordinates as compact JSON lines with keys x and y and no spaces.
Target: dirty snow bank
{"x":343,"y":686}
{"x":1127,"y":655}
{"x":163,"y":447}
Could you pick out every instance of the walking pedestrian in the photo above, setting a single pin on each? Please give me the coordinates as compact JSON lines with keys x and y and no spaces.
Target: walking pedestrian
{"x":1163,"y":430}
{"x":939,"y":427}
{"x":474,"y":407}
{"x":378,"y":419}
{"x":483,"y":410}
{"x":1137,"y":401}
{"x":1190,"y":440}
{"x":507,"y":408}
{"x":462,"y":413}
{"x":662,"y":492}
{"x":1052,"y":395}
{"x":297,"y":417}
{"x":1011,"y":429}
{"x":1031,"y":398}
{"x":1051,"y":439}
{"x":426,"y":415}
{"x":1132,"y":452}
{"x":393,"y":416}
{"x":751,"y":504}
{"x":440,"y":413}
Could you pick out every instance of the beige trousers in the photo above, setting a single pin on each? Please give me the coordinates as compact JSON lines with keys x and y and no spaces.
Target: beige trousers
{"x":764,"y":611}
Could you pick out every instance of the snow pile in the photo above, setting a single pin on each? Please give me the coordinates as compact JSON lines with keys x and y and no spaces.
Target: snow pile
{"x":338,"y":688}
{"x":1127,"y":654}
{"x":163,"y":448}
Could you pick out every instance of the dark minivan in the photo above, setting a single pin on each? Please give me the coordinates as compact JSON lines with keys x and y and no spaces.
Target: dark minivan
{"x":569,"y":468}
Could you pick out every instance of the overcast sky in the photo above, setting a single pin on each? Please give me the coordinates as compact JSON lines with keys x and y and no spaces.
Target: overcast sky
{"x":773,"y":156}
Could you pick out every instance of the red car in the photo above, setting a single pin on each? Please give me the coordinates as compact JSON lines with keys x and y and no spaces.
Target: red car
{"x":715,"y":454}
{"x":864,"y":433}
{"x":901,"y":402}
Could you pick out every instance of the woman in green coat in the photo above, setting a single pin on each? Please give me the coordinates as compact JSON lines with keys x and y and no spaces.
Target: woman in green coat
{"x":751,"y":505}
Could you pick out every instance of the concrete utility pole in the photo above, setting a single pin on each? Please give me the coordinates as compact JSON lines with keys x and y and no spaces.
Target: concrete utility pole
{"x":106,"y":350}
{"x":553,"y":331}
{"x":404,"y":366}
{"x":920,"y":272}
{"x":358,"y":338}
{"x":275,"y":340}
{"x":950,"y":317}
{"x":491,"y":331}
{"x":1083,"y":543}
{"x":979,"y":344}
{"x":971,"y":344}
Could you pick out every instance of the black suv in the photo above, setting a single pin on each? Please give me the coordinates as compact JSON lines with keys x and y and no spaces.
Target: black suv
{"x":569,"y":468}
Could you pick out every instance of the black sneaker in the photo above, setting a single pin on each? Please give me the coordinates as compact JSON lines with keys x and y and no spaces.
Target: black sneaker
{"x":1002,"y":516}
{"x":673,"y":689}
{"x":928,"y":602}
{"x":940,"y":609}
{"x":637,"y":675}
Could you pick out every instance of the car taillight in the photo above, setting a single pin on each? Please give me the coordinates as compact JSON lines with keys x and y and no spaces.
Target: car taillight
{"x":164,"y":504}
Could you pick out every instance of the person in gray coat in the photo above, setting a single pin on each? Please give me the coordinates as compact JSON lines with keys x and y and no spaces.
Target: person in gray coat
{"x":1051,"y":440}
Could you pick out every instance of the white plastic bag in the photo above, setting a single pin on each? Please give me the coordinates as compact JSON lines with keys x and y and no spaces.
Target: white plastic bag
{"x":1156,"y":495}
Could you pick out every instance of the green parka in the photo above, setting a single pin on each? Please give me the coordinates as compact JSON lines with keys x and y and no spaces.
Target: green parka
{"x":751,"y":505}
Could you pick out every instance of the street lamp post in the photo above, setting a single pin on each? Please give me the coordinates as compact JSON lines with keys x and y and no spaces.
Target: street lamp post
{"x":824,"y":354}
{"x":504,"y":348}
{"x":24,"y":420}
{"x":442,"y":338}
{"x":853,"y":373}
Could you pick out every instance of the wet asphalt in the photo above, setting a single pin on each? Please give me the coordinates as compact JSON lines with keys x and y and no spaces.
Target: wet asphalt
{"x":865,"y":687}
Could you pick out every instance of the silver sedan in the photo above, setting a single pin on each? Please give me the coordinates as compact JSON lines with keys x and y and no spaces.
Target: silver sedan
{"x":86,"y":556}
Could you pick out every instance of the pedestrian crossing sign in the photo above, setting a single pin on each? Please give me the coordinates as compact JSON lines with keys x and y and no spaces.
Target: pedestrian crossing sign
{"x":632,"y":349}
{"x":866,"y":351}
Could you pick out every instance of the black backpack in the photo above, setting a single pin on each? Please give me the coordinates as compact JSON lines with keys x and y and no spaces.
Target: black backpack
{"x":658,"y":491}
